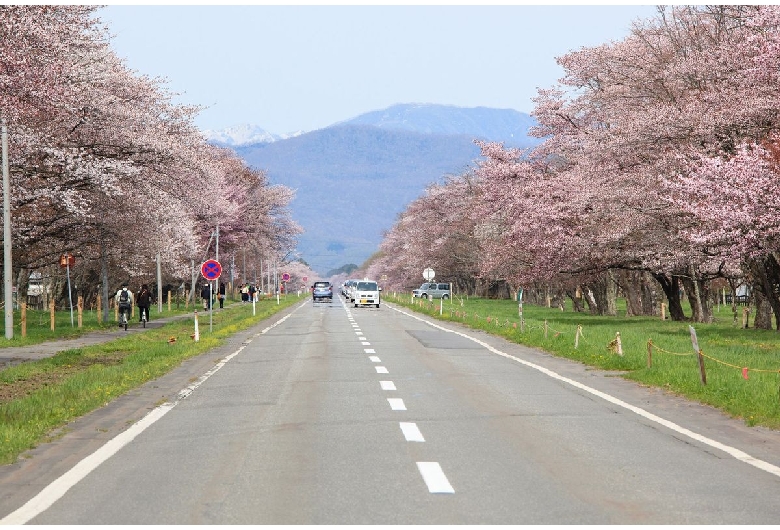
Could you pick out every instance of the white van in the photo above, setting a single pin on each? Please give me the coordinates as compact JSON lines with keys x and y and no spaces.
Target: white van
{"x":365,"y":292}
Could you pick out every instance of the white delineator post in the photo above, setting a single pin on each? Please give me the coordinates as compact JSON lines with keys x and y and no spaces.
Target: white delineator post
{"x":197,"y":333}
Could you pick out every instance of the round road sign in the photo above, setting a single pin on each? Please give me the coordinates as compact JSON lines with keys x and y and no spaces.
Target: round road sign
{"x":285,"y":277}
{"x":428,"y":274}
{"x":211,"y":269}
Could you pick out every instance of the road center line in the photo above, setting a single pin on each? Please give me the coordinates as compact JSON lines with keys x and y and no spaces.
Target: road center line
{"x":374,"y":359}
{"x":381,"y":370}
{"x":387,"y":385}
{"x":434,"y":477}
{"x":396,"y":403}
{"x":411,"y":432}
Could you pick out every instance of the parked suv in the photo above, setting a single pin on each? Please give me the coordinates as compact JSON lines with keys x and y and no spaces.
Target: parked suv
{"x":433,"y":290}
{"x":321,"y":291}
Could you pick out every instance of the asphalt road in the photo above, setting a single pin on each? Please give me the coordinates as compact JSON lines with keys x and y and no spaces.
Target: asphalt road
{"x":328,"y":414}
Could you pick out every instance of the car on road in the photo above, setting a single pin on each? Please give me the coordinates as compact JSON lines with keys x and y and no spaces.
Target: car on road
{"x":349,"y":289}
{"x":321,"y":290}
{"x":365,"y":292}
{"x":433,"y":290}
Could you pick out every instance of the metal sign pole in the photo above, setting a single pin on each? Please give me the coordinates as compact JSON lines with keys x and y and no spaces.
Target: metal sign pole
{"x":70,"y":295}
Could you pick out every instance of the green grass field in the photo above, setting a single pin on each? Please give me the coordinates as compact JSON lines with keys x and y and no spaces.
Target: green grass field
{"x":730,"y":353}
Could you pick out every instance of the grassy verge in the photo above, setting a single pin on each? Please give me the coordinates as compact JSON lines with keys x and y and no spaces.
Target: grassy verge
{"x":742,"y":366}
{"x":39,"y":396}
{"x":38,"y":325}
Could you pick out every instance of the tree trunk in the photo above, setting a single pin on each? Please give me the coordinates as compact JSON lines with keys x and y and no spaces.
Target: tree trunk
{"x":763,"y":318}
{"x":698,"y":296}
{"x":649,"y":297}
{"x":576,"y":301}
{"x":671,"y":288}
{"x":104,"y":277}
{"x":604,"y":291}
{"x":632,"y":289}
{"x":766,"y":282}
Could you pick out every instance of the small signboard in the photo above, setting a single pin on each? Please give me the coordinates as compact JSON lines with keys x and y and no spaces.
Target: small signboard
{"x":67,"y":260}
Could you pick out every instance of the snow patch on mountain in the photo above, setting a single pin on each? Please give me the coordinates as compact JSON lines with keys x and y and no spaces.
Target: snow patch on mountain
{"x":245,"y":134}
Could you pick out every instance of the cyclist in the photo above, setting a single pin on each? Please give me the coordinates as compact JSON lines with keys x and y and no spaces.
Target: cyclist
{"x":124,"y":300}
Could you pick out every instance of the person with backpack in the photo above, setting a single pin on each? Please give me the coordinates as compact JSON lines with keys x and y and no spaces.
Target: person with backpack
{"x":124,"y":300}
{"x":206,"y":294}
{"x":144,"y":302}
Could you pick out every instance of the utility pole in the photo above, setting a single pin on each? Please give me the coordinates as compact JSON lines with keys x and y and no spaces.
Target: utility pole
{"x":159,"y":285}
{"x":7,"y":269}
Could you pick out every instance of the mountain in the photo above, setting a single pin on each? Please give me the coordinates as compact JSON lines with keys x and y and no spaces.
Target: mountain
{"x":352,"y":179}
{"x":506,"y":125}
{"x":244,"y":134}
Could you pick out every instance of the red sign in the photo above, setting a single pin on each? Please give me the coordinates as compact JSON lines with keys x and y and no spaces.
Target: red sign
{"x":67,"y":260}
{"x":211,"y":269}
{"x":285,"y":277}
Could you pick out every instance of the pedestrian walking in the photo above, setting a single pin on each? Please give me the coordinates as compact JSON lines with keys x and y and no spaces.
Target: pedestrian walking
{"x":221,"y":295}
{"x":143,"y":300}
{"x":205,"y":293}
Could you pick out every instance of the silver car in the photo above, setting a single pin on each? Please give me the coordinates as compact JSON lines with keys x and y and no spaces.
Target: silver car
{"x":433,"y":290}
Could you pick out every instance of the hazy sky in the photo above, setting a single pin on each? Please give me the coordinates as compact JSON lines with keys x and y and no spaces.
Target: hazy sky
{"x":305,"y":67}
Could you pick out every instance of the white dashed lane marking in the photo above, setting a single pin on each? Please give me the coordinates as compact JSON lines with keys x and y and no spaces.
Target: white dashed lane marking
{"x":434,"y":477}
{"x":396,"y":403}
{"x":387,"y":385}
{"x":411,"y":432}
{"x":381,"y":370}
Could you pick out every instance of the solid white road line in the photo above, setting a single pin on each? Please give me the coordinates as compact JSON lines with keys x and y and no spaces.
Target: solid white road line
{"x":54,"y":491}
{"x":396,"y":403}
{"x":387,"y":385}
{"x":411,"y":432}
{"x":732,"y":451}
{"x":434,"y":477}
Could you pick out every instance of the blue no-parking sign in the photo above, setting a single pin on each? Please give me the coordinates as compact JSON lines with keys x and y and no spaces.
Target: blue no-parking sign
{"x":211,"y":269}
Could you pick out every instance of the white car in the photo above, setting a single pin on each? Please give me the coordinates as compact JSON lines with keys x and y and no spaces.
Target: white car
{"x":365,"y":292}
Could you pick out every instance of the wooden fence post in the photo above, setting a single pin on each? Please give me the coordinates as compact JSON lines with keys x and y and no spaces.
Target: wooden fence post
{"x":663,"y":311}
{"x":51,"y":313}
{"x":649,"y":353}
{"x":169,"y":301}
{"x":80,"y":307}
{"x":695,"y":343}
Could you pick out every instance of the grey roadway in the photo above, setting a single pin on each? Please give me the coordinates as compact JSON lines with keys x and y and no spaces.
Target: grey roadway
{"x":327,"y":414}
